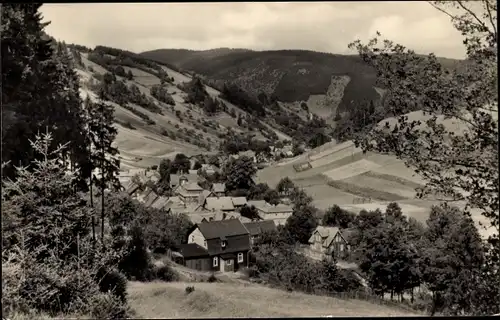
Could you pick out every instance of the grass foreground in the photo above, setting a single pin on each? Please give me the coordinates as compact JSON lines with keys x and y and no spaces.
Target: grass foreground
{"x":170,"y":300}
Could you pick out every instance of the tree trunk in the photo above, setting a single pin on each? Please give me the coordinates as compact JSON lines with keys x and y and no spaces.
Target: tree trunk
{"x":392,"y":295}
{"x":102,"y":205}
{"x":412,"y":296}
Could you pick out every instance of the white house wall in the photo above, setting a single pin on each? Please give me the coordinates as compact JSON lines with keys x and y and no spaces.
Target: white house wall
{"x":197,"y":237}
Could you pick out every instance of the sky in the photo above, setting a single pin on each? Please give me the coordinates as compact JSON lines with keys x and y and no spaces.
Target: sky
{"x":318,"y":26}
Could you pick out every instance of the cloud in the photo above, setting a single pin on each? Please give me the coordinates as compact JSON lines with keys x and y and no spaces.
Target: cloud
{"x":321,"y":26}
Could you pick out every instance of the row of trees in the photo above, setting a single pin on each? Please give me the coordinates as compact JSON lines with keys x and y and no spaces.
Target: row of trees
{"x":56,"y":259}
{"x":463,"y":272}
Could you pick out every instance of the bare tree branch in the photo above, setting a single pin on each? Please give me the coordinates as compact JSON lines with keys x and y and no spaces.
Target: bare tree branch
{"x":481,"y":22}
{"x":490,"y":16}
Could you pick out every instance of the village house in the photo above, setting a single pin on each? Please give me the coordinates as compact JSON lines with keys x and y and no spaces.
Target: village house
{"x":278,"y":213}
{"x":216,"y":246}
{"x":331,"y":242}
{"x":160,"y":202}
{"x":219,"y":189}
{"x":209,"y":169}
{"x":239,"y":202}
{"x":198,"y":217}
{"x":178,"y":179}
{"x":248,"y":153}
{"x":176,"y":205}
{"x":150,"y":197}
{"x":188,"y":192}
{"x":258,"y":227}
{"x":217,"y":204}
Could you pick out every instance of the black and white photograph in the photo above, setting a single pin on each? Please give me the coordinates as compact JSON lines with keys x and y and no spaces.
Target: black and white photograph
{"x":249,"y":159}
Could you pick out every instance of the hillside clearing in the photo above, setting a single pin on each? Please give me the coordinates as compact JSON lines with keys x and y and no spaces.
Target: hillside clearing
{"x":351,"y":170}
{"x":169,"y":300}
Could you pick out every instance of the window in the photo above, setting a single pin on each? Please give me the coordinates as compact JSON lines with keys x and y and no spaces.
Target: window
{"x":216,"y":262}
{"x":223,"y":243}
{"x":240,"y":257}
{"x":192,"y":238}
{"x":229,"y":262}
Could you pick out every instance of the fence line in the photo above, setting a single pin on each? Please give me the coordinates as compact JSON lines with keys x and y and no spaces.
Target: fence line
{"x":356,"y":295}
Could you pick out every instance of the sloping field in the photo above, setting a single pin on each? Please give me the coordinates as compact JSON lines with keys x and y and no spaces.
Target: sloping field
{"x":351,"y":170}
{"x":329,"y":151}
{"x":345,"y":152}
{"x":212,"y":300}
{"x":382,"y":184}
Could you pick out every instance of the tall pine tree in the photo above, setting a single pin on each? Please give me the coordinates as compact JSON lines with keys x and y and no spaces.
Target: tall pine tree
{"x":39,"y":90}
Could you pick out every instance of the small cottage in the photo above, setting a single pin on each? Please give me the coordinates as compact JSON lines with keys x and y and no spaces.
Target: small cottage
{"x":331,"y":242}
{"x":219,"y":189}
{"x":217,"y":204}
{"x":278,"y":213}
{"x":239,"y":202}
{"x":258,"y":227}
{"x":217,"y":246}
{"x":179,"y":179}
{"x":189,"y":192}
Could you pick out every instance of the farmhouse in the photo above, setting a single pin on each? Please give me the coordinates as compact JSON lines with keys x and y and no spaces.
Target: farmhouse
{"x":214,"y":216}
{"x":239,"y":202}
{"x":258,"y":227}
{"x":189,"y":192}
{"x":178,"y":179}
{"x":219,"y":189}
{"x":331,"y":242}
{"x":217,"y":204}
{"x":217,"y":246}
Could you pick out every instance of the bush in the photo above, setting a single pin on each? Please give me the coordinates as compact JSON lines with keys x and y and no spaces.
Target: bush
{"x":189,"y":289}
{"x":113,"y":281}
{"x":107,"y":306}
{"x":155,"y":167}
{"x":165,"y":273}
{"x":212,"y":278}
{"x":129,"y":125}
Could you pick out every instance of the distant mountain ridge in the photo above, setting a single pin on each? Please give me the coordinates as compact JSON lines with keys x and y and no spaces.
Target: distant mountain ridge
{"x":289,"y":75}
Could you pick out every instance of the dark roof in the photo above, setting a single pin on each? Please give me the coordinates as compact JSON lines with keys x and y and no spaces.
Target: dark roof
{"x":234,"y":244}
{"x":192,"y":250}
{"x":226,"y":256}
{"x":348,"y":234}
{"x":258,"y":227}
{"x":217,"y":229}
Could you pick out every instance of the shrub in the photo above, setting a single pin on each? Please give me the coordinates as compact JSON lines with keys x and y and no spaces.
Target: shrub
{"x":165,"y":273}
{"x":154,"y":167}
{"x":129,"y":125}
{"x":189,"y":289}
{"x":107,"y":306}
{"x":113,"y":281}
{"x":212,"y":278}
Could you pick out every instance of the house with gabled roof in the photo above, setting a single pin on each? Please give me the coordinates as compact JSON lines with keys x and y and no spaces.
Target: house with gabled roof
{"x":160,"y":202}
{"x":212,"y":216}
{"x":239,"y":202}
{"x":278,"y":213}
{"x":179,"y":179}
{"x":331,"y":242}
{"x":203,"y":195}
{"x":217,"y":204}
{"x":217,"y":246}
{"x":256,"y":228}
{"x":188,"y":192}
{"x":150,"y":198}
{"x":219,"y":189}
{"x":209,"y":169}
